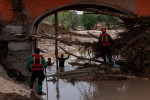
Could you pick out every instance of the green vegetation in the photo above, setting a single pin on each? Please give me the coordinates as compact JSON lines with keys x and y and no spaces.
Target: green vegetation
{"x":89,"y":21}
{"x":66,"y":19}
{"x":71,"y":20}
{"x":109,"y":21}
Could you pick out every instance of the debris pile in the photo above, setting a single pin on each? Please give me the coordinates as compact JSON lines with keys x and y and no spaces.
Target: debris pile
{"x":132,"y":44}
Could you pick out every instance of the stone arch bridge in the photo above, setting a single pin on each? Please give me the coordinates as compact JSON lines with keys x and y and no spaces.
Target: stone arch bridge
{"x":21,"y":16}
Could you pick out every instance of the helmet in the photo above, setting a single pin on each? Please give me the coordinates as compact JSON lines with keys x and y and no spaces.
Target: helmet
{"x":103,"y":29}
{"x":62,"y":55}
{"x":49,"y":59}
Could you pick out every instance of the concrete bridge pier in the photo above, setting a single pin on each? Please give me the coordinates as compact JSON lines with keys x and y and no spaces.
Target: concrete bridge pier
{"x":14,"y":52}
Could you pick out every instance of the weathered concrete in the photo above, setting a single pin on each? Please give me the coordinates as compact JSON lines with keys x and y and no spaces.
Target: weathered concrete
{"x":19,"y":46}
{"x":5,"y":36}
{"x":22,"y":55}
{"x":15,"y":29}
{"x":15,"y":54}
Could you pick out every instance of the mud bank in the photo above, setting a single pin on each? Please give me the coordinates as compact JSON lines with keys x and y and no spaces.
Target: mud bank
{"x":10,"y":89}
{"x":12,"y":96}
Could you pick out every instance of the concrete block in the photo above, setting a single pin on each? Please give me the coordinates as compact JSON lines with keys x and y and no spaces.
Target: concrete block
{"x":24,"y":55}
{"x":17,"y":65}
{"x":11,"y":58}
{"x":19,"y":46}
{"x":15,"y":29}
{"x":4,"y":36}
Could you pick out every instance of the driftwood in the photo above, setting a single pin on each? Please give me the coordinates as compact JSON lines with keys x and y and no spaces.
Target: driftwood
{"x":46,"y":83}
{"x":82,"y":58}
{"x":76,"y":34}
{"x":84,"y":64}
{"x":56,"y":41}
{"x":92,"y":35}
{"x":53,"y":38}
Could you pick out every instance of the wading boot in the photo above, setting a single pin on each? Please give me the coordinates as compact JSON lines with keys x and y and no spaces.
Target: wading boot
{"x":39,"y":90}
{"x":31,"y":85}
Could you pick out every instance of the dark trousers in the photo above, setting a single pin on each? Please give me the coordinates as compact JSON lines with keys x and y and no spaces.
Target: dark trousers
{"x":106,"y":51}
{"x":38,"y":74}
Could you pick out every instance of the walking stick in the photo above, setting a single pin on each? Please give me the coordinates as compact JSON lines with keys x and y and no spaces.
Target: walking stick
{"x":46,"y":83}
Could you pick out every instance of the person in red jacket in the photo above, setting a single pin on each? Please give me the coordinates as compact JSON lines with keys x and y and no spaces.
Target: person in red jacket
{"x":38,"y":64}
{"x":105,"y":41}
{"x":49,"y":62}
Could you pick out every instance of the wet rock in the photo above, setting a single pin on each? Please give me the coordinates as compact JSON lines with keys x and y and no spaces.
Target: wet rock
{"x":102,"y":71}
{"x":115,"y":69}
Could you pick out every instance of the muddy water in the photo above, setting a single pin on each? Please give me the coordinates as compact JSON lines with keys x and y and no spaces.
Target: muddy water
{"x":61,"y":89}
{"x":102,"y":90}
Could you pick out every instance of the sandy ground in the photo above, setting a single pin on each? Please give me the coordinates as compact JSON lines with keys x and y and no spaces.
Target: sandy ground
{"x":9,"y":86}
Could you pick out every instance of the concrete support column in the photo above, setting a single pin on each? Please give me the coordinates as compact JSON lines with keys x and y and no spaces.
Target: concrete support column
{"x":19,"y":52}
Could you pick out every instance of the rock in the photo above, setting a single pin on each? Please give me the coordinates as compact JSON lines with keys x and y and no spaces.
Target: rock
{"x":102,"y":71}
{"x":115,"y":69}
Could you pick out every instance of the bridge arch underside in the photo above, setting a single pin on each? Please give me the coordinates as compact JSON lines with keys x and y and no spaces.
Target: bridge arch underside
{"x":93,"y":8}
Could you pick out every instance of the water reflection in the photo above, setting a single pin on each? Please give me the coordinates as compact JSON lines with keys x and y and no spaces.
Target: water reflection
{"x":61,"y":89}
{"x":99,"y":90}
{"x":57,"y":89}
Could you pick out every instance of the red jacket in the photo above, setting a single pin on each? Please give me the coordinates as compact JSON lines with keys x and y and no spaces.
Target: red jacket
{"x":104,"y":40}
{"x":37,"y":64}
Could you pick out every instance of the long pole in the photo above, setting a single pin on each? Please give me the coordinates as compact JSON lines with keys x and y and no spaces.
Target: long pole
{"x":56,"y":42}
{"x":46,"y":83}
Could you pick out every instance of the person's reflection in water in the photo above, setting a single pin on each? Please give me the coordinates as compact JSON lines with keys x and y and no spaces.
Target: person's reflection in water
{"x":57,"y":89}
{"x":61,"y":69}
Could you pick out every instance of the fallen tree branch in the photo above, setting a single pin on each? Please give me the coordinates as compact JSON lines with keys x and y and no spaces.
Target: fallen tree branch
{"x":53,"y":38}
{"x":77,"y":34}
{"x":82,"y":58}
{"x":84,"y":64}
{"x":94,"y":36}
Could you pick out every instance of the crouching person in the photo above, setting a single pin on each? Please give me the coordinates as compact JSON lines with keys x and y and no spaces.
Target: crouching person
{"x":38,"y":64}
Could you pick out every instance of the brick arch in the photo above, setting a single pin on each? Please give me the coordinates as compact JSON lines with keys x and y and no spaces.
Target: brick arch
{"x":76,"y":6}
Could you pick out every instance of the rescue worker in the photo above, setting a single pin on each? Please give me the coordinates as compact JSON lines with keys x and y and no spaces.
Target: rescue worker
{"x":62,"y":60}
{"x":105,"y":41}
{"x":49,"y":62}
{"x":38,"y":64}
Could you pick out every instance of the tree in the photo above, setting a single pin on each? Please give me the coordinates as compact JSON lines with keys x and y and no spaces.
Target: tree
{"x":74,"y":19}
{"x":88,"y":21}
{"x":107,"y":20}
{"x":67,"y":19}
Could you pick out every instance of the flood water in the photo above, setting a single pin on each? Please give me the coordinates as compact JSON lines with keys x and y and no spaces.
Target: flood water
{"x":61,"y":89}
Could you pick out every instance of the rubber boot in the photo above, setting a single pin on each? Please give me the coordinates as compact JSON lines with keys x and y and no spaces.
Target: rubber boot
{"x":31,"y":85}
{"x":39,"y":90}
